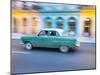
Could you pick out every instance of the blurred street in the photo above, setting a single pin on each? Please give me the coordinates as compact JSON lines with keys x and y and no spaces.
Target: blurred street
{"x":44,"y":59}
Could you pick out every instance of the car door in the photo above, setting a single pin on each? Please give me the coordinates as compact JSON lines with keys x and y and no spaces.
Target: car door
{"x":53,"y":39}
{"x":42,"y":39}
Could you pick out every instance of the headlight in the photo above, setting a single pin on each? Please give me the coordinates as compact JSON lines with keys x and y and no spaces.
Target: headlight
{"x":78,"y":42}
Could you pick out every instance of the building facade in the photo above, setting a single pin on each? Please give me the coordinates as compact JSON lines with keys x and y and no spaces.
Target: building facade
{"x":87,"y":21}
{"x":63,"y":16}
{"x":30,"y":17}
{"x":25,"y":19}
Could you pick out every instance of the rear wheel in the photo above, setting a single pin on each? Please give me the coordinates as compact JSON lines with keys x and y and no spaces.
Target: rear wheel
{"x":64,"y":49}
{"x":28,"y":46}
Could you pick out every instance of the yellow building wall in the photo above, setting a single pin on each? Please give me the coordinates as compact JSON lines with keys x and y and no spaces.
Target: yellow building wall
{"x":88,"y":13}
{"x":31,"y":25}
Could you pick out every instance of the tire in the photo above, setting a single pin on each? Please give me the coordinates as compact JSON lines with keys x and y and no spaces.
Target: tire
{"x":28,"y":46}
{"x":64,"y":49}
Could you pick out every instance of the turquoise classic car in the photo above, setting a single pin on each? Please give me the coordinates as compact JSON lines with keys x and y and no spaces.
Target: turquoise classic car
{"x":51,"y":38}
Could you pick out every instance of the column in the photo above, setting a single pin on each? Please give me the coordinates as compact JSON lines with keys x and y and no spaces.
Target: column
{"x":53,"y":22}
{"x":65,"y":25}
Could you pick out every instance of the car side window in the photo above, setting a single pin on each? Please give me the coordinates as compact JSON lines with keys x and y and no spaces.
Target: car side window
{"x":43,"y":33}
{"x":53,"y":33}
{"x":57,"y":34}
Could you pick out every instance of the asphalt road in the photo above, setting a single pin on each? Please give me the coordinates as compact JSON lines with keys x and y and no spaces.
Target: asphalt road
{"x":46,"y":60}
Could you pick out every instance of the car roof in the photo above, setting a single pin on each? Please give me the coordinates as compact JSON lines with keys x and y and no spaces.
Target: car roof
{"x":54,"y":29}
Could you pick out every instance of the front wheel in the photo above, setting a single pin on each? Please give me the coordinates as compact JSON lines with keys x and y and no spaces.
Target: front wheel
{"x":64,"y":49}
{"x":28,"y":46}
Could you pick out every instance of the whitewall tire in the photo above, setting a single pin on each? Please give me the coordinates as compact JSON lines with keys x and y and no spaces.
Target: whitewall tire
{"x":28,"y":46}
{"x":64,"y":49}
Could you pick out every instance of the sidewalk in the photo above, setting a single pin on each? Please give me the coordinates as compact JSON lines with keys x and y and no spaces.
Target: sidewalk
{"x":82,"y":40}
{"x":16,"y":36}
{"x":87,"y":40}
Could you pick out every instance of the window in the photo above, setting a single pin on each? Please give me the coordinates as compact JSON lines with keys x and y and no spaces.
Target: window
{"x":60,"y":7}
{"x":24,"y":24}
{"x":59,"y":22}
{"x":87,"y":27}
{"x":36,"y":7}
{"x":13,"y":4}
{"x":19,"y":5}
{"x":27,"y":5}
{"x":48,"y":22}
{"x":53,"y":33}
{"x":72,"y":25}
{"x":72,"y":7}
{"x":34,"y":25}
{"x":43,"y":33}
{"x":15,"y":25}
{"x":48,"y":33}
{"x":24,"y":21}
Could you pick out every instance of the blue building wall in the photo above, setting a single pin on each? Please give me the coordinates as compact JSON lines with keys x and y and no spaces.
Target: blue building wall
{"x":64,"y":11}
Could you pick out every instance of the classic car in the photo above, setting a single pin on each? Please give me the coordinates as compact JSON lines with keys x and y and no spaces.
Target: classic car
{"x":51,"y":38}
